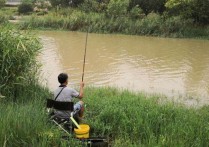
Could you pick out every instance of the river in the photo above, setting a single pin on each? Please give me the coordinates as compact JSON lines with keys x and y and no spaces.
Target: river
{"x":177,"y":68}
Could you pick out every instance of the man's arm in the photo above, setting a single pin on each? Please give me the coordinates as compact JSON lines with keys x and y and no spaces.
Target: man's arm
{"x":81,"y":90}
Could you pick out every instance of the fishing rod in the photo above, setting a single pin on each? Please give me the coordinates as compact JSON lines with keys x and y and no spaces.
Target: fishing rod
{"x":84,"y":59}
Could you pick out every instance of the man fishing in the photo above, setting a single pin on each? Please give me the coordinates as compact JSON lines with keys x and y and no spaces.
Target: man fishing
{"x":66,"y":94}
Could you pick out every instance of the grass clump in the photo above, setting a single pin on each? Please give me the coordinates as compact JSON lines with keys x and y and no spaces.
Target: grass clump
{"x":18,"y":52}
{"x":126,"y":119}
{"x":26,"y":123}
{"x":23,"y":117}
{"x":136,"y":119}
{"x":7,"y":13}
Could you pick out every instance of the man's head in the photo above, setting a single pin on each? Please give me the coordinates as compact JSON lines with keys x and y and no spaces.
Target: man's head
{"x":63,"y":78}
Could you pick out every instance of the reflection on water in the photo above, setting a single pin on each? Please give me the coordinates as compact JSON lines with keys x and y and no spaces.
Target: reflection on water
{"x":155,"y":65}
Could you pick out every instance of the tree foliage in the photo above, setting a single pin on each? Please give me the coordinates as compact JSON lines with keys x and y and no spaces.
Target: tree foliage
{"x":66,"y":3}
{"x":117,"y":7}
{"x":189,"y":9}
{"x":93,"y":6}
{"x":25,"y":8}
{"x":2,"y":3}
{"x":196,"y":10}
{"x":157,"y":6}
{"x":63,"y":3}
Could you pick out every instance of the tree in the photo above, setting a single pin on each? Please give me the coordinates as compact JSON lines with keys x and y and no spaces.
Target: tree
{"x":25,"y":8}
{"x":76,"y":2}
{"x":200,"y":11}
{"x":190,"y":9}
{"x":117,"y":7}
{"x":62,"y":3}
{"x":157,"y":6}
{"x":2,"y":3}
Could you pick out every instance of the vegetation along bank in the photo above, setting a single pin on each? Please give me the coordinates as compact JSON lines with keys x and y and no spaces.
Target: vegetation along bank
{"x":165,"y":18}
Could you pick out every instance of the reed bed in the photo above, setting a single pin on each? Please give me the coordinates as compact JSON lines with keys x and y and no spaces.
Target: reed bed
{"x":18,"y":52}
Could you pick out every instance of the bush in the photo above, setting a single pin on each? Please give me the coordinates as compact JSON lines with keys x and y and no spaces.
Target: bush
{"x":2,"y":3}
{"x":150,"y":25}
{"x":56,"y":3}
{"x":92,"y":6}
{"x":117,"y":7}
{"x":25,"y":8}
{"x":136,"y":12}
{"x":3,"y":18}
{"x":149,"y":6}
{"x":42,"y":7}
{"x":193,"y":9}
{"x":18,"y":51}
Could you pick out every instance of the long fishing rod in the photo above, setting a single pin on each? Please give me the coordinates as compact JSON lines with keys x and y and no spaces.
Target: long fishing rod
{"x":84,"y":60}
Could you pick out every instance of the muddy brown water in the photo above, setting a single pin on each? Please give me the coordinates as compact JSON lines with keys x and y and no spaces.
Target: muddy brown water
{"x":177,"y":68}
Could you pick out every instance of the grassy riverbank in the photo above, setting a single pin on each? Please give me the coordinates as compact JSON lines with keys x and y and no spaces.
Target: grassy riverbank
{"x":127,"y":119}
{"x":151,"y":25}
{"x":25,"y":123}
{"x":73,"y":19}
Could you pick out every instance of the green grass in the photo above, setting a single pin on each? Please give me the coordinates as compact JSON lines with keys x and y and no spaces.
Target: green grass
{"x":126,"y":119}
{"x":7,"y":13}
{"x":77,"y":20}
{"x":151,"y":25}
{"x":26,"y":123}
{"x":18,"y":53}
{"x":136,"y":119}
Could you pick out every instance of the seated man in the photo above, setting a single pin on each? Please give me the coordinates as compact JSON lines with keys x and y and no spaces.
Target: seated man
{"x":66,"y":94}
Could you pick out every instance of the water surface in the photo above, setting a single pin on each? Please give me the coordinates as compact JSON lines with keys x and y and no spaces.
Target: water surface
{"x":173,"y":67}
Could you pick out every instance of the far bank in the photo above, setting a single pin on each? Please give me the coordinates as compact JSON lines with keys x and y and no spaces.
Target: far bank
{"x":72,"y":19}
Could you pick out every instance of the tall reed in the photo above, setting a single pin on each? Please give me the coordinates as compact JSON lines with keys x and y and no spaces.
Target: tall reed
{"x":18,"y":51}
{"x":23,"y":116}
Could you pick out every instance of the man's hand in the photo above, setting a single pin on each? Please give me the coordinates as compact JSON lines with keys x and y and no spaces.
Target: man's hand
{"x":82,"y":84}
{"x":81,"y":90}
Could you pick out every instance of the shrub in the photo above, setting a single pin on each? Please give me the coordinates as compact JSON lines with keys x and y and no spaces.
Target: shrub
{"x":18,"y":51}
{"x":3,"y":18}
{"x":192,"y":9}
{"x":2,"y":3}
{"x":151,"y":24}
{"x":65,"y":3}
{"x":42,"y":6}
{"x":117,"y":7}
{"x":25,"y":8}
{"x":136,"y":12}
{"x":149,"y":6}
{"x":93,"y":6}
